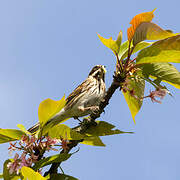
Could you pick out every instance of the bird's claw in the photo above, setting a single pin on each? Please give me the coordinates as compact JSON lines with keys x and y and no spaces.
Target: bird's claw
{"x":95,"y":109}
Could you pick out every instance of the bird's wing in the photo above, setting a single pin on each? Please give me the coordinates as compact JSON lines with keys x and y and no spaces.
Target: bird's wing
{"x":76,"y":94}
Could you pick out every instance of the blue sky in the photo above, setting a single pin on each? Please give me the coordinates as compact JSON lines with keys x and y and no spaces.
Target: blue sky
{"x":48,"y":47}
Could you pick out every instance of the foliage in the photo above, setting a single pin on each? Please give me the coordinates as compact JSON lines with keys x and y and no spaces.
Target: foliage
{"x":150,"y":65}
{"x":48,"y":108}
{"x":152,"y":60}
{"x":103,"y":129}
{"x":133,"y":92}
{"x":166,"y":50}
{"x":29,"y":174}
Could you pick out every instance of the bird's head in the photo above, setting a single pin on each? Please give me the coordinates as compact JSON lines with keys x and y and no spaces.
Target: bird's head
{"x":98,"y":72}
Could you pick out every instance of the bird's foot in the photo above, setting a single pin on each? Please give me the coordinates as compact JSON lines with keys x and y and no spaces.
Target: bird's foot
{"x":94,"y":109}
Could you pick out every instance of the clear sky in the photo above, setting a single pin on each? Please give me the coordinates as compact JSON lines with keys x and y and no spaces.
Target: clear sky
{"x":47,"y":47}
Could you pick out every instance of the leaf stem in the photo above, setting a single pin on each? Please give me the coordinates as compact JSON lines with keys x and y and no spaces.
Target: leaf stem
{"x":130,"y":51}
{"x":120,"y":67}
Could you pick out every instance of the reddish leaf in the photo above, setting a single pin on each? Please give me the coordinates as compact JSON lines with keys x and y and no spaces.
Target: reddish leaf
{"x":137,"y":20}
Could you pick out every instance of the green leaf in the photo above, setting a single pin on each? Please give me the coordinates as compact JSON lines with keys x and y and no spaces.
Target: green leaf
{"x":62,"y":177}
{"x":1,"y":176}
{"x":123,"y":49}
{"x":7,"y":135}
{"x":112,"y":44}
{"x":93,"y":141}
{"x":48,"y":108}
{"x":103,"y":129}
{"x":150,"y":31}
{"x":141,"y":45}
{"x":136,"y":87}
{"x":166,"y":50}
{"x":23,"y":129}
{"x":163,"y":72}
{"x":51,"y":159}
{"x":123,"y":53}
{"x":119,"y":39}
{"x":63,"y":131}
{"x":30,"y":174}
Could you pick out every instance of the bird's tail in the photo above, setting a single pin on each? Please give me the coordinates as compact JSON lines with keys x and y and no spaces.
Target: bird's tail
{"x":59,"y":117}
{"x":34,"y":128}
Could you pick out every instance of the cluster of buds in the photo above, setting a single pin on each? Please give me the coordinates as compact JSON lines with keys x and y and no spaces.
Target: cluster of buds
{"x":32,"y":150}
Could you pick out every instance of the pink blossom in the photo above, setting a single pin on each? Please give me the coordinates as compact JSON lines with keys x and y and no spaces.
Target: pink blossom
{"x":30,"y":145}
{"x":14,"y":166}
{"x":160,"y":93}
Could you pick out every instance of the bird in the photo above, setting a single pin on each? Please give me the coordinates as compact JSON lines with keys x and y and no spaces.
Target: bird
{"x":84,"y":100}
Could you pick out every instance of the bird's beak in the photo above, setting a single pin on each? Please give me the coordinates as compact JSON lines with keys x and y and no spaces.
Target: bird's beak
{"x":104,"y":69}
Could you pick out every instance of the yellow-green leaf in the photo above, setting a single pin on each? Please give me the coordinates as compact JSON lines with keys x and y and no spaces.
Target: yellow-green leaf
{"x":123,"y":49}
{"x":119,"y":39}
{"x":93,"y":141}
{"x":30,"y":174}
{"x":5,"y":139}
{"x":163,"y":72}
{"x":103,"y":129}
{"x":134,"y":95}
{"x":123,"y":53}
{"x":48,"y":108}
{"x":166,"y":50}
{"x":112,"y":44}
{"x":23,"y":129}
{"x":150,"y":31}
{"x":63,"y":131}
{"x":7,"y":135}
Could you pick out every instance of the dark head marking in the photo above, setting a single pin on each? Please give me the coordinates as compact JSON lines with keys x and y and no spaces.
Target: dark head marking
{"x":98,"y":72}
{"x":94,"y":69}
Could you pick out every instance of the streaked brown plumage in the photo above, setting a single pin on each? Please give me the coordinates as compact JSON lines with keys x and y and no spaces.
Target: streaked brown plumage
{"x":83,"y":100}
